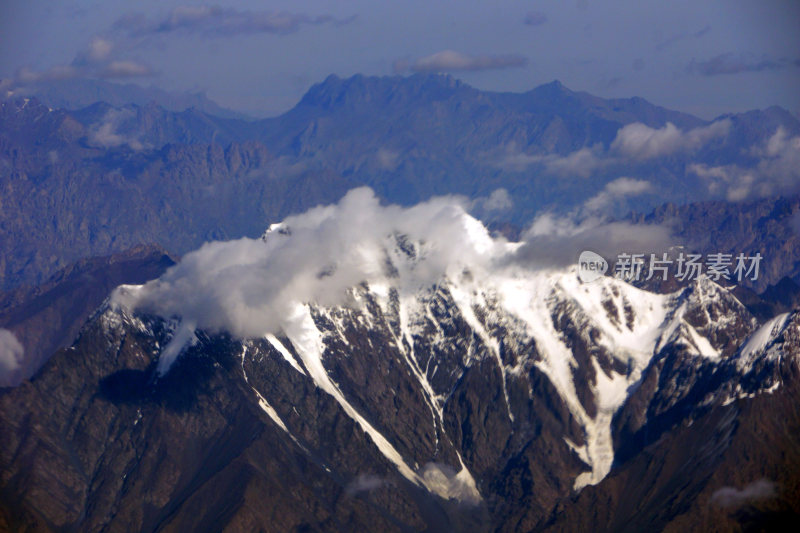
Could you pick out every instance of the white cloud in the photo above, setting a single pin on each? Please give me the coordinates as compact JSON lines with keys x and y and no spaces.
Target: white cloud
{"x":365,"y":483}
{"x":582,"y":162}
{"x":251,"y":287}
{"x":556,"y":241}
{"x":26,"y":75}
{"x":734,"y":182}
{"x":517,"y":161}
{"x":615,"y":190}
{"x":639,"y":141}
{"x":632,"y":143}
{"x":733,"y":497}
{"x":627,"y":186}
{"x":124,"y":69}
{"x":452,"y":61}
{"x":776,"y":172}
{"x":105,"y":134}
{"x":499,"y":200}
{"x":95,"y":61}
{"x":97,"y":52}
{"x":100,"y":49}
{"x":11,"y":352}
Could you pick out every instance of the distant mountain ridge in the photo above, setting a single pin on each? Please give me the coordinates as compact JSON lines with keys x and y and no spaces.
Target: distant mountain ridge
{"x":70,"y":178}
{"x":77,"y":93}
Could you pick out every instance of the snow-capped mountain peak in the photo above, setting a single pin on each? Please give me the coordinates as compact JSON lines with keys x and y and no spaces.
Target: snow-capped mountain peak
{"x":428,"y":296}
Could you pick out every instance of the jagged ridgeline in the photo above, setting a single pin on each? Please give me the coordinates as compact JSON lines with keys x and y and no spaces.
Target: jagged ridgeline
{"x":181,"y":178}
{"x":372,"y":367}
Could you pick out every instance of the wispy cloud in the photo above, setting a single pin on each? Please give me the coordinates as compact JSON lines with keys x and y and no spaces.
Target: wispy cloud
{"x":222,"y":22}
{"x":251,"y":287}
{"x":733,"y":497}
{"x":106,"y":133}
{"x":556,"y":241}
{"x":102,"y":59}
{"x":98,"y":60}
{"x":498,"y":201}
{"x":365,"y":483}
{"x":730,"y":63}
{"x":639,"y":141}
{"x":615,"y":190}
{"x":124,"y":69}
{"x":387,"y":159}
{"x":452,"y":61}
{"x":11,"y":353}
{"x":98,"y":51}
{"x":582,"y":162}
{"x":633,"y":142}
{"x":26,"y":75}
{"x":776,"y":172}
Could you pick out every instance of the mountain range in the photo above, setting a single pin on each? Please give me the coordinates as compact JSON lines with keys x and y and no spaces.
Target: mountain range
{"x":366,"y":313}
{"x":77,"y":93}
{"x":501,"y":397}
{"x":69,"y":178}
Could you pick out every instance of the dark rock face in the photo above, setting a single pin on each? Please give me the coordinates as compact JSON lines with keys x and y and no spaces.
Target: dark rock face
{"x":49,"y":316}
{"x":764,"y":226}
{"x":440,"y":413}
{"x":690,"y":454}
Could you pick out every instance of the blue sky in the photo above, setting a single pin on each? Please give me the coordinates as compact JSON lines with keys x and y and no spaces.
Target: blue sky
{"x":706,"y":58}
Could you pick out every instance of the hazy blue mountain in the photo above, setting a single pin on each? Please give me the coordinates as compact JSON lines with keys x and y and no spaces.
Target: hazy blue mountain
{"x":432,"y":134}
{"x":77,"y":93}
{"x":477,"y":399}
{"x":102,"y":178}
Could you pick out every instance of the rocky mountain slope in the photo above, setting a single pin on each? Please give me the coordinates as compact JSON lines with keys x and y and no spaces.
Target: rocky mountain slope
{"x":449,"y":387}
{"x":48,"y":317}
{"x":770,"y":227}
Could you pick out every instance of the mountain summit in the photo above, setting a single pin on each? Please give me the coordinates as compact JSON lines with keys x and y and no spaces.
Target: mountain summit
{"x":368,"y":366}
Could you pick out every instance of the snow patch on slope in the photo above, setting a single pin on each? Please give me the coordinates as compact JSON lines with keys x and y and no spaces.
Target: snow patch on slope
{"x":759,"y":340}
{"x":307,"y":340}
{"x":264,"y":288}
